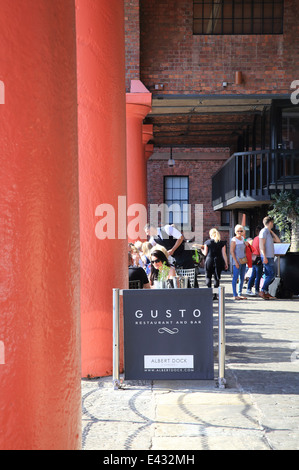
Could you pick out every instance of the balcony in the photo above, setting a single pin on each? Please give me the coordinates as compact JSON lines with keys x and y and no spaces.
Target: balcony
{"x":247,"y":179}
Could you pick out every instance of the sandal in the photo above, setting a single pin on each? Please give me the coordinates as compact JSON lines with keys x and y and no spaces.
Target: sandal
{"x":243,"y":298}
{"x":237,"y":298}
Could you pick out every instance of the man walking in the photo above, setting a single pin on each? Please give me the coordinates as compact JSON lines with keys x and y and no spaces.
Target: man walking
{"x":267,"y":239}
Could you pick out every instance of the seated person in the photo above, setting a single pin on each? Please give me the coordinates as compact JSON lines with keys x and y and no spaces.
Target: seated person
{"x":146,"y":256}
{"x":137,"y":273}
{"x":136,"y":256}
{"x":158,"y":259}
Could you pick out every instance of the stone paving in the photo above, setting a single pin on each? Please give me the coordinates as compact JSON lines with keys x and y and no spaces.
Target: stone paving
{"x":258,"y":409}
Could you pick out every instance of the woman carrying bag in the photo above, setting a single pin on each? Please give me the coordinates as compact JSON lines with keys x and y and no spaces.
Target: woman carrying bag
{"x":238,"y":252}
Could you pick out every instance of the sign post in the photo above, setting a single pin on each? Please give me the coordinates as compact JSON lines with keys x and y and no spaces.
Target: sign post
{"x":116,"y":381}
{"x":221,"y":338}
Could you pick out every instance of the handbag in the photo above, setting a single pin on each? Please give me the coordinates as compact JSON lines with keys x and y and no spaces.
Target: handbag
{"x":257,"y":261}
{"x":243,"y":260}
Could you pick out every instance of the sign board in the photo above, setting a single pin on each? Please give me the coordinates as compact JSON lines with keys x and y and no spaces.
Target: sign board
{"x":281,"y":248}
{"x":168,"y":334}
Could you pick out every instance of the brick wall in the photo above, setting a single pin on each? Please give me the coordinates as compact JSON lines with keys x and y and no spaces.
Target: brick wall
{"x":199,"y":165}
{"x":132,"y":41}
{"x":161,"y":49}
{"x":183,"y":63}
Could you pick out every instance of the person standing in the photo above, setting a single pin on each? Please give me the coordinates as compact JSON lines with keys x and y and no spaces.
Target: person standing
{"x":173,"y":240}
{"x":216,"y":259}
{"x":267,"y":239}
{"x":238,"y":253}
{"x":257,"y":266}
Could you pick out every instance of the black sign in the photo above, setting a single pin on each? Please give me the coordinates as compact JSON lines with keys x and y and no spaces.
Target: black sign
{"x":168,"y":334}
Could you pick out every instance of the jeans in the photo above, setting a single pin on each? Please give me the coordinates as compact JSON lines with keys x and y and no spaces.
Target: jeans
{"x":238,"y":273}
{"x":256,"y":275}
{"x":269,"y":270}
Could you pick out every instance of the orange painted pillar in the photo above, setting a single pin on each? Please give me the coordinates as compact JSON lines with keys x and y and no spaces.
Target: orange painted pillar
{"x":102,"y":174}
{"x":148,"y":152}
{"x":137,"y":108}
{"x":40,"y":396}
{"x":147,"y":135}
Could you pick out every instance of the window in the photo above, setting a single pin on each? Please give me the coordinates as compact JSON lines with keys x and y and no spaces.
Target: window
{"x":238,"y":16}
{"x":176,"y":197}
{"x":225,"y":218}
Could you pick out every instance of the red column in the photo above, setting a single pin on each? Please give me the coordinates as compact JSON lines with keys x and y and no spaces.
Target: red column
{"x":40,"y":397}
{"x":102,"y":174}
{"x":147,"y":135}
{"x":138,"y":106}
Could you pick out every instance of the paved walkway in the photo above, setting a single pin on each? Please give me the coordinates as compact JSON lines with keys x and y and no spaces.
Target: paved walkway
{"x":258,"y":409}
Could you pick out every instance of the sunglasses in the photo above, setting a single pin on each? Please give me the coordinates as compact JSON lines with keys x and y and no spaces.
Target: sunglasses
{"x":154,"y":261}
{"x":240,"y":231}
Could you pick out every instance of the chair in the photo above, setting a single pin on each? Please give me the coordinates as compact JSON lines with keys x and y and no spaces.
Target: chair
{"x":134,"y":285}
{"x":190,"y":273}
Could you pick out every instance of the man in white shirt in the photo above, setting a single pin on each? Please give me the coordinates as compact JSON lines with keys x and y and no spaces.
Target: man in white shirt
{"x":173,"y":240}
{"x":267,"y":239}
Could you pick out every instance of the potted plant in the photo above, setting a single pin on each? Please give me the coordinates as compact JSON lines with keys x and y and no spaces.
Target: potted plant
{"x":285,"y":211}
{"x":162,"y":276}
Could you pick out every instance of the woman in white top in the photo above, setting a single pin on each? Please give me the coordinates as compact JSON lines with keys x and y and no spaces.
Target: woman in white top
{"x":238,"y":251}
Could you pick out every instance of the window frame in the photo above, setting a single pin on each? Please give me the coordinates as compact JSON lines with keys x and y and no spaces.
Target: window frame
{"x":184,"y":224}
{"x":247,"y":24}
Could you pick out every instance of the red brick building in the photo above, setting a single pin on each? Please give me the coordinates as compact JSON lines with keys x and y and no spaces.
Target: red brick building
{"x":220,"y":74}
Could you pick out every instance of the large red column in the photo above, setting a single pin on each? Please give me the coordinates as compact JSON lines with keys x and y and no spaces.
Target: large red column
{"x":40,"y":397}
{"x":137,"y":108}
{"x":102,"y":174}
{"x":147,"y":135}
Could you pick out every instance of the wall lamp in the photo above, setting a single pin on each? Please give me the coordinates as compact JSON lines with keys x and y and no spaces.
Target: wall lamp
{"x":171,"y":161}
{"x":238,"y":80}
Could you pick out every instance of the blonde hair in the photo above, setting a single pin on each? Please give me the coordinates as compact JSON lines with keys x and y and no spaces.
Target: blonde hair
{"x":215,"y":235}
{"x":238,"y":226}
{"x":146,"y":248}
{"x":160,"y":248}
{"x":138,"y":245}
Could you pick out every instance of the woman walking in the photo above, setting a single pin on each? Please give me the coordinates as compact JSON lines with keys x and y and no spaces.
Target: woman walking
{"x":216,"y":260}
{"x":238,"y":253}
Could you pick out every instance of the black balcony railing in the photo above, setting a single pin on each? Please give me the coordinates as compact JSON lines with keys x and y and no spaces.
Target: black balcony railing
{"x":253,"y":176}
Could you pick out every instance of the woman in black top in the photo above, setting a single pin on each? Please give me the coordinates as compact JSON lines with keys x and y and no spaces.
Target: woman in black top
{"x":136,"y":273}
{"x":216,"y":259}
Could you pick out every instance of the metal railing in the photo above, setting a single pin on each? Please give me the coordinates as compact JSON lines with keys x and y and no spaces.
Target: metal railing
{"x":256,"y":174}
